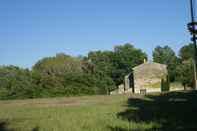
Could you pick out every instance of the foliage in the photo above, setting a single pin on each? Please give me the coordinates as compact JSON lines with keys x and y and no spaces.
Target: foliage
{"x":165,"y":84}
{"x":165,"y":55}
{"x":16,"y":83}
{"x":64,"y":75}
{"x":180,"y":69}
{"x":98,"y":73}
{"x":118,"y":63}
{"x":186,"y":73}
{"x":126,"y":57}
{"x":187,"y":52}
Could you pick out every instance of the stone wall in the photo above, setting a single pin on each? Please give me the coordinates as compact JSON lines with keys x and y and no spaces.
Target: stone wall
{"x":148,"y":76}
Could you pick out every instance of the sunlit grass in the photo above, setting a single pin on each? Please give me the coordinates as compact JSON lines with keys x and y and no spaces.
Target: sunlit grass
{"x":95,"y":113}
{"x":101,"y":113}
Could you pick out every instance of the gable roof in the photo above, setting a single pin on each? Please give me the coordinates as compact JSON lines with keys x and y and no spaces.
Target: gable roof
{"x":153,"y":65}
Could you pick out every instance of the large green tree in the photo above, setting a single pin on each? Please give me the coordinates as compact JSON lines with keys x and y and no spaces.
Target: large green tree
{"x":186,"y":68}
{"x":16,"y":82}
{"x":165,"y":55}
{"x":103,"y":67}
{"x":64,"y":75}
{"x":53,"y":69}
{"x":187,"y":52}
{"x":126,"y":57}
{"x":185,"y":73}
{"x":117,"y":63}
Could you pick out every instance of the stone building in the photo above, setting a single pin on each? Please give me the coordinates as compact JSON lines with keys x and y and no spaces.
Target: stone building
{"x":148,"y":77}
{"x":144,"y":78}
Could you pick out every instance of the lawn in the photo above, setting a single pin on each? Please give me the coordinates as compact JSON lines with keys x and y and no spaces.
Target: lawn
{"x":175,"y":111}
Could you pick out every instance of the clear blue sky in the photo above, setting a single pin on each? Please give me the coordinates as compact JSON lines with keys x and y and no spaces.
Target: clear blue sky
{"x":33,"y":29}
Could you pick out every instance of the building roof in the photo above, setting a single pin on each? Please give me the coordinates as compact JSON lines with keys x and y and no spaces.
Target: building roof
{"x":150,"y":65}
{"x":150,"y":70}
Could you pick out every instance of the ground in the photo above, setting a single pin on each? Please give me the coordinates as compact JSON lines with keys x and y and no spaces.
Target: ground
{"x":175,"y":111}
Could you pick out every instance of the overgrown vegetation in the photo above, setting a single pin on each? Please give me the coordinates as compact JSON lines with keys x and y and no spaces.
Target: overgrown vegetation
{"x":64,"y":75}
{"x":181,"y":67}
{"x":165,"y":84}
{"x":97,"y":73}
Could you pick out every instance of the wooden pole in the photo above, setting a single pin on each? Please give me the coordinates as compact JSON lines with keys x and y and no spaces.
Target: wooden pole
{"x":192,"y":28}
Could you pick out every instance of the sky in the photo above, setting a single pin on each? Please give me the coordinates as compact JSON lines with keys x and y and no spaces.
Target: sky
{"x":33,"y":29}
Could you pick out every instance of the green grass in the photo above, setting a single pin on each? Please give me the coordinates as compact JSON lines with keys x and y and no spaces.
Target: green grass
{"x":172,"y":111}
{"x":176,"y":85}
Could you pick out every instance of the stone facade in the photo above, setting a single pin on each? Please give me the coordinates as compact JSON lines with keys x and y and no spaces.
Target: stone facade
{"x":145,"y":77}
{"x":148,"y":77}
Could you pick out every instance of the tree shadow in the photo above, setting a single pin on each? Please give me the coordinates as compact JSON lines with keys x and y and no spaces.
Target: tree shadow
{"x":3,"y":127}
{"x":35,"y":129}
{"x":175,"y":111}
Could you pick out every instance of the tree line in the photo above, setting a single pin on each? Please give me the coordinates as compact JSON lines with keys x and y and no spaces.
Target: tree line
{"x":97,"y":73}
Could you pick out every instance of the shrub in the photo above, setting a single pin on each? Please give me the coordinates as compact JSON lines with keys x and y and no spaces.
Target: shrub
{"x":165,"y":84}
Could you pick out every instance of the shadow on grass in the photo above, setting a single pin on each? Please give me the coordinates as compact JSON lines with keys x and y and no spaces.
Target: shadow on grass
{"x":35,"y":129}
{"x":175,"y":111}
{"x":4,"y":127}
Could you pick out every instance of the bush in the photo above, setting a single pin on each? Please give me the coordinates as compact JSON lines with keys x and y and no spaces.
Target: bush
{"x":165,"y":84}
{"x":63,"y":75}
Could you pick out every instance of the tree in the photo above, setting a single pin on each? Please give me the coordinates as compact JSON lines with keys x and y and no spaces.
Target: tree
{"x":186,"y":73}
{"x":187,"y":52}
{"x":58,"y":65}
{"x":117,"y":63}
{"x":165,"y":55}
{"x":64,"y":75}
{"x":53,"y":69}
{"x":125,"y":58}
{"x":186,"y":68}
{"x":103,"y":61}
{"x":15,"y":83}
{"x":165,"y":84}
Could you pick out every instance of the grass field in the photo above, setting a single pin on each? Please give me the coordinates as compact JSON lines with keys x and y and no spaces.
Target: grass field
{"x":159,"y":112}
